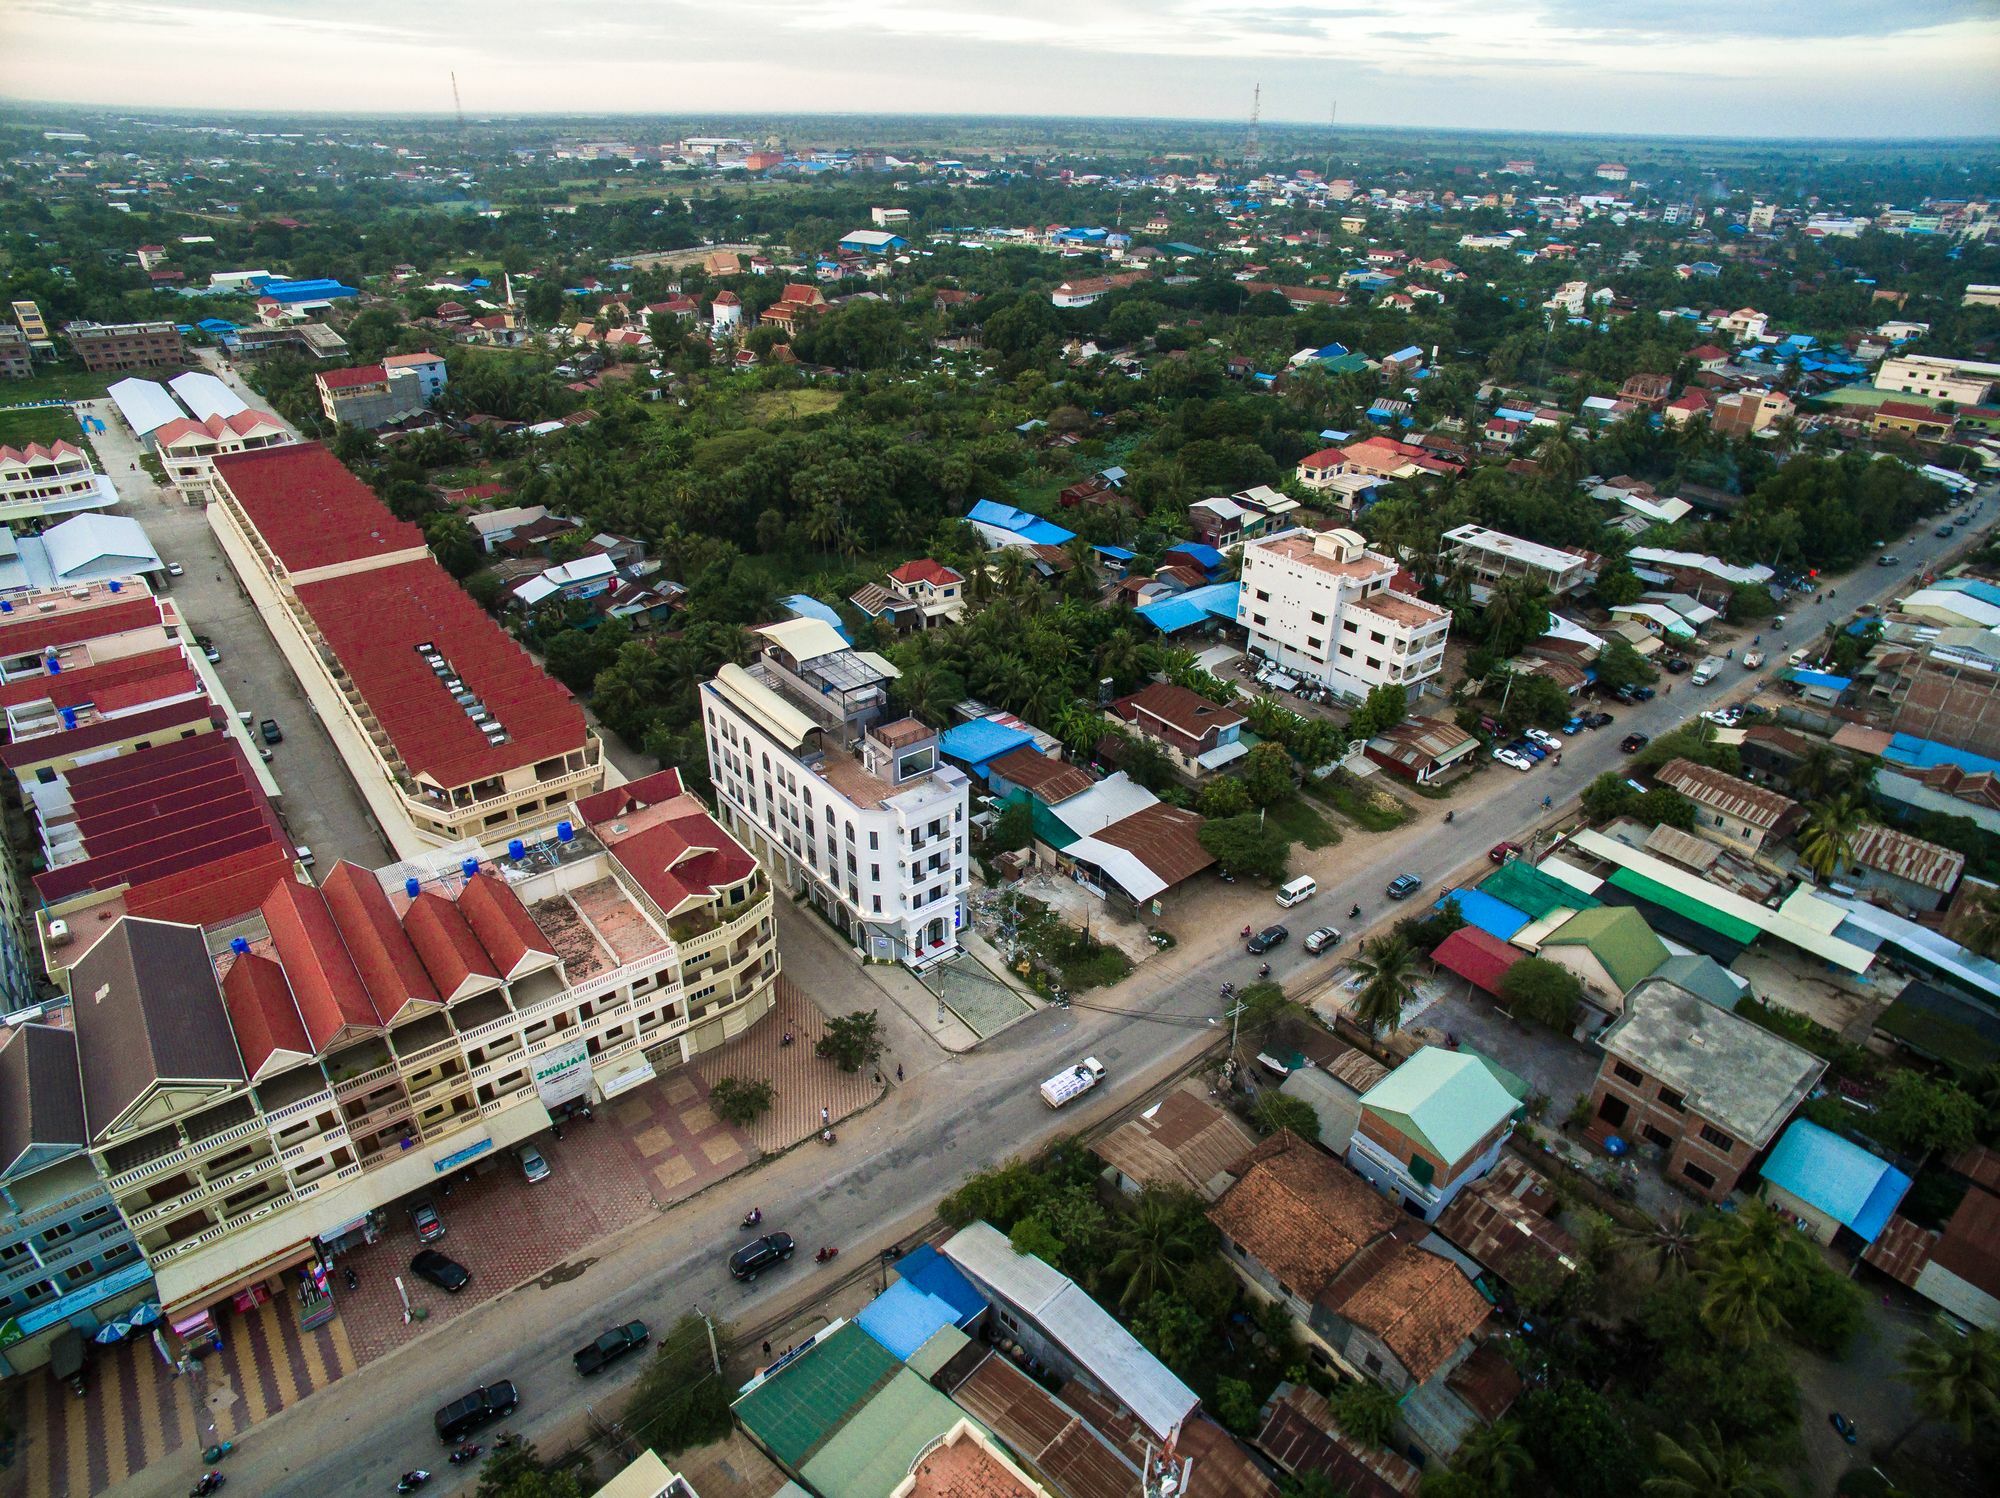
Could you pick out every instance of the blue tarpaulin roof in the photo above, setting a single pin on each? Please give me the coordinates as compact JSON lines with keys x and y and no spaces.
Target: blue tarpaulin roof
{"x":1116,"y":553}
{"x":903,"y":1318}
{"x":1819,"y":679}
{"x":216,"y":325}
{"x":1493,"y":916}
{"x":1908,"y":749}
{"x":982,"y":739}
{"x":1838,"y":1177}
{"x":1207,"y":556}
{"x":934,"y":1274}
{"x":1030,"y":528}
{"x":807,"y":607}
{"x":1183,"y":611}
{"x":305,"y":291}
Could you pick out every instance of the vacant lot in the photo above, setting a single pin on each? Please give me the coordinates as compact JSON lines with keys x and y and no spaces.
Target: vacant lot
{"x":785,"y":405}
{"x":45,"y":425}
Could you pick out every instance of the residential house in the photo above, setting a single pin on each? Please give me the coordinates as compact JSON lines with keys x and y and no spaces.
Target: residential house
{"x":1423,"y":750}
{"x":1831,"y":1188}
{"x":38,"y":481}
{"x":1433,"y":1125}
{"x":1956,"y":1268}
{"x":1685,"y":407}
{"x":1729,"y":809}
{"x":1708,"y":358}
{"x":378,"y":395}
{"x":1609,"y":948}
{"x":17,"y":354}
{"x":1697,"y":1082}
{"x":188,"y":448}
{"x":1198,"y":737}
{"x":1089,"y":290}
{"x":1707,"y":578}
{"x":1493,"y":556}
{"x":1906,"y":419}
{"x":1649,"y":390}
{"x":1745,"y":324}
{"x":1964,"y":382}
{"x":1184,"y":1142}
{"x":1915,"y":873}
{"x":1747,"y":413}
{"x":1325,"y":607}
{"x":918,"y":595}
{"x":1504,"y":1220}
{"x":1004,"y":525}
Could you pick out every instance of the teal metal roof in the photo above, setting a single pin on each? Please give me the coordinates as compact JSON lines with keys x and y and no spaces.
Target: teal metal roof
{"x":794,"y":1412}
{"x":1447,"y":1101}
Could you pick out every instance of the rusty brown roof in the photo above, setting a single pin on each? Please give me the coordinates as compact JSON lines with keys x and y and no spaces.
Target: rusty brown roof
{"x":1502,"y":1232}
{"x":1182,"y":1140}
{"x":1487,"y":1382}
{"x":1167,"y":840}
{"x":1045,"y":777}
{"x":1901,"y":856}
{"x":1300,"y":1213}
{"x":1901,"y":1250}
{"x":1729,"y":794}
{"x":1300,"y":1435}
{"x":1418,"y":1304}
{"x":1050,"y":1438}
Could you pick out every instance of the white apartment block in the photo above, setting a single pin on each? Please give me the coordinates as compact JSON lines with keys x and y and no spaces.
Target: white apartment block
{"x":1966,"y":381}
{"x":53,"y":480}
{"x":188,"y":448}
{"x":1493,"y":556}
{"x":1322,"y":606}
{"x":856,"y":812}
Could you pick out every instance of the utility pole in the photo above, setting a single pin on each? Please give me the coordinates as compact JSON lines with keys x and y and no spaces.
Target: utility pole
{"x":714,"y":1356}
{"x":457,"y":103}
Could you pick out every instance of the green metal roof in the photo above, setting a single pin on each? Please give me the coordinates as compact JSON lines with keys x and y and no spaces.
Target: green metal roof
{"x":1684,"y":905}
{"x":1049,"y":828}
{"x":799,"y":1409}
{"x":1937,"y":1023}
{"x":872,"y":1453}
{"x":1618,"y":936}
{"x":1530,"y":891}
{"x":1447,"y":1101}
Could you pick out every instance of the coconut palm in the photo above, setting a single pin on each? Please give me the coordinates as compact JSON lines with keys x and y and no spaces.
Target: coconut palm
{"x":1826,"y":842}
{"x":1702,"y":1466}
{"x":1739,"y":1302}
{"x":1162,"y":1237}
{"x":1822,"y":771}
{"x":1956,"y":1379}
{"x":1494,"y":1458}
{"x":1386,"y":966}
{"x":1078,"y":725}
{"x":1668,"y":1244}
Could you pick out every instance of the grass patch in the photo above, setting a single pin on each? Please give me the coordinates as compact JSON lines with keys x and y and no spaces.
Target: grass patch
{"x":1849,"y":1059}
{"x":789,"y":405}
{"x":1371,"y":811}
{"x":62,"y":382}
{"x":46,"y":425}
{"x":1301,"y":824}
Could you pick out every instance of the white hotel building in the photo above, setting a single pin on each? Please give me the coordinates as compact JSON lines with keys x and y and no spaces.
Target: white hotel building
{"x":1321,"y":605}
{"x":856,"y":812}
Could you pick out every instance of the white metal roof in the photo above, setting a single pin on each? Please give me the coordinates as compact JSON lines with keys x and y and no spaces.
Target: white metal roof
{"x":1112,"y":799}
{"x":205,"y":395}
{"x":144,"y":404}
{"x":805,"y":639}
{"x":762,"y":706}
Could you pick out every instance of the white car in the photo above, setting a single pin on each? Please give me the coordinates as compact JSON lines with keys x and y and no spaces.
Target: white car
{"x":1543,"y":737}
{"x":1507,"y":756}
{"x":1725,"y":717}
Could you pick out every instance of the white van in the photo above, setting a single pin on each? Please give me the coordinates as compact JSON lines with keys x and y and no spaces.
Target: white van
{"x":1297,"y":891}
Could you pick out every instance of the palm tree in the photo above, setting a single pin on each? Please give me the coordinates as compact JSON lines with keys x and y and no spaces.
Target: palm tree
{"x":1668,"y":1244}
{"x":1494,"y":1458}
{"x":1740,"y":1302}
{"x":1078,"y":725}
{"x":1822,"y":771}
{"x":1701,"y":1466}
{"x":1957,"y":1381}
{"x":1386,"y":966}
{"x":1826,"y":842}
{"x":1159,"y":1241}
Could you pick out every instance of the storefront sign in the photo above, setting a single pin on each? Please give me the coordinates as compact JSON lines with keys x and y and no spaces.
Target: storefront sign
{"x":635,"y":1075}
{"x":64,"y":1306}
{"x":563,"y":1074}
{"x":458,"y":1157}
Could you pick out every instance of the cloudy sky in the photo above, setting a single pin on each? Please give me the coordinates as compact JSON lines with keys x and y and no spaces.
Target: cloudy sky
{"x":1727,"y":67}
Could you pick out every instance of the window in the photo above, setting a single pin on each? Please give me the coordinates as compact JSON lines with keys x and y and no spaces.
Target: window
{"x":1700,"y":1177}
{"x":1674,"y":1100}
{"x":1655,"y":1136}
{"x":1262,"y":596}
{"x":1318,"y":618}
{"x":874,"y":842}
{"x":1422,"y":1171}
{"x":1613,"y":1110}
{"x":1626,"y":1073}
{"x":1715,"y":1138}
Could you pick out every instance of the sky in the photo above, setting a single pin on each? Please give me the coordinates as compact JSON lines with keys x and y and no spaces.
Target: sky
{"x":1683,"y":67}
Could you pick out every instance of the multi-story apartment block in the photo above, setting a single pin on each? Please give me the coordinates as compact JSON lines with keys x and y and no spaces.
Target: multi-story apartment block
{"x":374,"y":395}
{"x":1965,"y":381}
{"x":855,"y":811}
{"x":28,"y":318}
{"x":1745,"y":413}
{"x":188,"y":448}
{"x":53,"y":480}
{"x":67,"y":1257}
{"x":1494,"y":556}
{"x":1707,"y":1088}
{"x":130,"y":345}
{"x":449,"y":729}
{"x":254,"y":1089}
{"x":427,"y":368}
{"x":1323,"y":606}
{"x":17,"y":355}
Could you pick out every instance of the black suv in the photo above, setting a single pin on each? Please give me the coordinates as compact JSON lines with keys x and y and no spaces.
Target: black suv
{"x":462,"y":1417}
{"x":1266,"y":939}
{"x":758,"y":1255}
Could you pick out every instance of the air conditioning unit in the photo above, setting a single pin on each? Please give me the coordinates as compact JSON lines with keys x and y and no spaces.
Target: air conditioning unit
{"x":58,"y":933}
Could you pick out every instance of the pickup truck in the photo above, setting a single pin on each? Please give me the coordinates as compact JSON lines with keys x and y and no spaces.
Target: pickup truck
{"x":610,"y":1347}
{"x":1072,"y":1081}
{"x":1707,"y":671}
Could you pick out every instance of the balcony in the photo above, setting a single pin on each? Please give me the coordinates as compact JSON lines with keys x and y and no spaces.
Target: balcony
{"x":363,"y":1082}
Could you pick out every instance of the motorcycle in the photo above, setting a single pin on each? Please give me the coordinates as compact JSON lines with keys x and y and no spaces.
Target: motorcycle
{"x":466,"y":1453}
{"x":751,"y":1218}
{"x":1449,"y":815}
{"x":785,"y":1039}
{"x":1263,"y":969}
{"x":827,"y":1136}
{"x":825,"y":1255}
{"x":1244,"y":933}
{"x":353,"y":1279}
{"x":209,"y":1482}
{"x":409,"y":1482}
{"x":1354,"y":912}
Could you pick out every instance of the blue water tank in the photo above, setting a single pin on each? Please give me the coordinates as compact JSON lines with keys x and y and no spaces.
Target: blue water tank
{"x":239,"y":945}
{"x":410,"y":887}
{"x":6,"y":607}
{"x":55,"y":666}
{"x":566,"y":832}
{"x":516,"y":849}
{"x":470,"y":868}
{"x":116,"y":586}
{"x":69,"y":717}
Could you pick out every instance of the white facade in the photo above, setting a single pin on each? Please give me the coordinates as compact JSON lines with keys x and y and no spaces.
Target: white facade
{"x":1963,"y":380}
{"x":1320,"y":604}
{"x":53,"y":480}
{"x":427,"y":367}
{"x":856,"y":812}
{"x":1494,"y":555}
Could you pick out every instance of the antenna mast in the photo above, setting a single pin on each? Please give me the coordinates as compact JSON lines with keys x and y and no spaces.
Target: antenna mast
{"x":456,"y":102}
{"x":1253,"y":152}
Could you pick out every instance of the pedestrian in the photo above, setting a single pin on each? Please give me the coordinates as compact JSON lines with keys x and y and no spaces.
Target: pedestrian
{"x":1670,"y":689}
{"x":767,"y":1349}
{"x":878,"y":1079}
{"x":824,"y":1116}
{"x":899,"y":1071}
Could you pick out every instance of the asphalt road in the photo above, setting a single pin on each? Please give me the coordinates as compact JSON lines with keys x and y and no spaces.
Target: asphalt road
{"x":881,"y":1181}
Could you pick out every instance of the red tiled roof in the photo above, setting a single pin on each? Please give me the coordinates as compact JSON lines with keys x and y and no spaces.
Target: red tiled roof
{"x":383,"y":954}
{"x":348,"y":379}
{"x":23,"y":632}
{"x":677,"y":852}
{"x":310,"y":510}
{"x":1476,"y":956}
{"x":213,"y":891}
{"x":240,"y":423}
{"x":374,"y":620}
{"x":634,"y":795}
{"x":76,"y":687}
{"x":261,"y":1011}
{"x":924,"y":570}
{"x":328,"y":988}
{"x":173,"y":716}
{"x":451,"y":953}
{"x":502,"y":923}
{"x":34,"y":452}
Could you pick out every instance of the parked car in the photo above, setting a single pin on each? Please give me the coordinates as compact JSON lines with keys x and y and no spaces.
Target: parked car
{"x":758,"y":1255}
{"x":1543,"y":737}
{"x":1598,"y":720}
{"x":210,"y":654}
{"x":447,"y":1274}
{"x":1574,"y":727}
{"x":533,"y":1166}
{"x":1888,"y":559}
{"x":1318,"y":941}
{"x":1403,"y":886}
{"x":302,"y":852}
{"x":463,"y":1416}
{"x":1942,"y":532}
{"x":1676,"y":665}
{"x":424,"y":1218}
{"x":1513,"y":760}
{"x":1529,"y":749}
{"x":1632,"y":743}
{"x":1501,"y":852}
{"x":175,"y":569}
{"x":1263,"y":941}
{"x":272,"y":733}
{"x":610,"y":1347}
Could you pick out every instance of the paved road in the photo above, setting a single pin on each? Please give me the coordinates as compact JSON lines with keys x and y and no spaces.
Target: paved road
{"x":880,"y":1182}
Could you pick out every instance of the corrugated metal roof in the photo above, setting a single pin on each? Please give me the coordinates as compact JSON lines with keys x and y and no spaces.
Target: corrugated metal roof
{"x":1888,"y":851}
{"x":1729,"y":794}
{"x":1836,"y":1176}
{"x":1693,"y":907}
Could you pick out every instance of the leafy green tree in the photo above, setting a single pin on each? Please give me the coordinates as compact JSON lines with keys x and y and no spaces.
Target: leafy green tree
{"x":1494,"y":1457}
{"x":1579,"y":1442}
{"x":1167,"y":1232}
{"x":1543,"y":992}
{"x":1387,"y":969}
{"x":680,"y":1400}
{"x":1981,"y":930}
{"x":1245,"y":846}
{"x":1276,"y":1110}
{"x":1381,"y":710}
{"x":1014,"y":828}
{"x":741,"y":1101}
{"x":1267,"y":774}
{"x":1173,"y":1331}
{"x":1236,"y":1405}
{"x":1001,"y":1196}
{"x":1033,"y":1236}
{"x":1922,"y":1115}
{"x":1619,"y":664}
{"x":1224,"y":796}
{"x":1366,"y":1412}
{"x":852,"y":1041}
{"x":1701,"y":1466}
{"x":517,"y":1473}
{"x":1533,"y":700}
{"x":1956,"y":1380}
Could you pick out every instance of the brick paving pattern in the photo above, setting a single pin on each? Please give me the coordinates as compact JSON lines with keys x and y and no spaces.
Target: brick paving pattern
{"x":804,"y":1083}
{"x":137,"y":1412}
